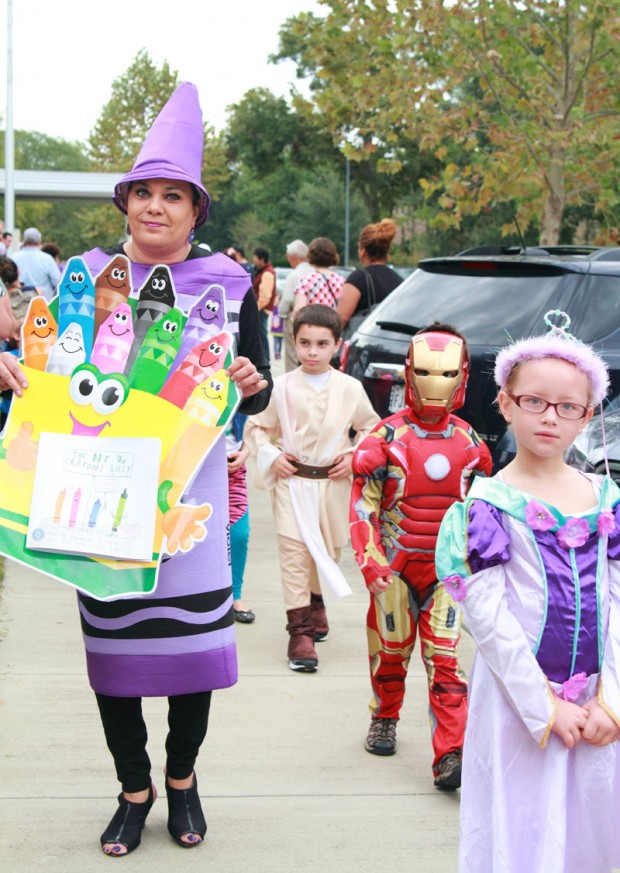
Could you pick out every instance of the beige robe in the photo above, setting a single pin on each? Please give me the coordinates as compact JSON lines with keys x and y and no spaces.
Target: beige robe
{"x":313,"y":426}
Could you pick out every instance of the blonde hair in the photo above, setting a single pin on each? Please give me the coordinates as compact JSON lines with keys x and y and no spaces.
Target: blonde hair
{"x":376,"y":239}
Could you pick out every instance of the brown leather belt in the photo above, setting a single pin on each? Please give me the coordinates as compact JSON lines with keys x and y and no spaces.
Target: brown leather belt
{"x":309,"y":471}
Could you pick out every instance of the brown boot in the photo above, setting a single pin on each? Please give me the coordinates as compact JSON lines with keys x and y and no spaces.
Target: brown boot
{"x":319,"y":618}
{"x":301,"y":653}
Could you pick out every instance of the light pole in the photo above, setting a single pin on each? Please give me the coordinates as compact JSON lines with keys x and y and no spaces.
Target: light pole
{"x":347,"y":211}
{"x":9,"y":144}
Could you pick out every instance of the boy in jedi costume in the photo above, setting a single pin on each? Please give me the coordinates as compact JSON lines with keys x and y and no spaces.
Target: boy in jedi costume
{"x":303,"y":452}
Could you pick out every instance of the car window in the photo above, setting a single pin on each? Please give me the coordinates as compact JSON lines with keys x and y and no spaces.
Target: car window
{"x":487,"y":309}
{"x":595,"y":310}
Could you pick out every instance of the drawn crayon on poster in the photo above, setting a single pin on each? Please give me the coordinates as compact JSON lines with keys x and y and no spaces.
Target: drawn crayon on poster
{"x":58,"y":505}
{"x":92,"y":519}
{"x":120,"y":509}
{"x":75,"y":506}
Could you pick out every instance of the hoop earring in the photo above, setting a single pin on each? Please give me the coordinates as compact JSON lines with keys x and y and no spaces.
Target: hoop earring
{"x":191,"y":236}
{"x":127,"y":229}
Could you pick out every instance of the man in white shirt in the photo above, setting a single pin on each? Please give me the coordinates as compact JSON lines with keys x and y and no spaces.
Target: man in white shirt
{"x":297,"y":256}
{"x":36,"y":267}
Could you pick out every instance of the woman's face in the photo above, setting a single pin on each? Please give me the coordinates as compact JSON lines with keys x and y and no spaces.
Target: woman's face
{"x":161,"y":214}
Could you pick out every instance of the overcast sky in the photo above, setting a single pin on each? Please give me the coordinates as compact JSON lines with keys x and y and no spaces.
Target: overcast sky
{"x":67,"y":53}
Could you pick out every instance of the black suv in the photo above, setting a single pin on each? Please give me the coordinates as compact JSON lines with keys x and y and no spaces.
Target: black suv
{"x":491,"y":295}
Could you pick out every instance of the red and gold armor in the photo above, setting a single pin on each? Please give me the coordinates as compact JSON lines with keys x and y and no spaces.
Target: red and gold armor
{"x":407,"y":472}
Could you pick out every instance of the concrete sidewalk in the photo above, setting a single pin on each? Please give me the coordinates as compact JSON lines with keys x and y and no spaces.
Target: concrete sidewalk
{"x":285,"y":781}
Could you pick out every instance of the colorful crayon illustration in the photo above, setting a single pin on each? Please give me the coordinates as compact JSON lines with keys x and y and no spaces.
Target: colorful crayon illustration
{"x":159,"y":349}
{"x":68,"y":351}
{"x":75,"y":507}
{"x":156,"y":298}
{"x":208,"y":400}
{"x":58,"y":505}
{"x":203,"y":361}
{"x":113,"y":341}
{"x":92,"y":519}
{"x":76,"y":300}
{"x":39,"y":333}
{"x":112,"y":287}
{"x":120,"y":509}
{"x":206,"y":318}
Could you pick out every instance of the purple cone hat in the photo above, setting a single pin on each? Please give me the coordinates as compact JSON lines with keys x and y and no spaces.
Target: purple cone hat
{"x":172,"y":149}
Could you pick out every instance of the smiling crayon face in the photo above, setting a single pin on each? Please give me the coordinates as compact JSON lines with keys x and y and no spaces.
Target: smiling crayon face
{"x":67,"y":352}
{"x":159,"y":349}
{"x":208,"y":400}
{"x":158,"y":287}
{"x":112,"y":287}
{"x":39,"y":333}
{"x":76,"y":300}
{"x":114,"y":340}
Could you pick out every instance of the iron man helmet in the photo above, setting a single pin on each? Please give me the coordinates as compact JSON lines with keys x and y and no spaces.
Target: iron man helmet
{"x":436,"y":372}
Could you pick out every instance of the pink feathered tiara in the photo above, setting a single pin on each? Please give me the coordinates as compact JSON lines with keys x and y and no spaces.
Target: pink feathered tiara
{"x":558,"y":343}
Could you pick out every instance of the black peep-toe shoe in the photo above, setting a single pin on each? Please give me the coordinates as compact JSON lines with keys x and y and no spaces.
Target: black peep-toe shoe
{"x":185,"y":816}
{"x":125,"y":828}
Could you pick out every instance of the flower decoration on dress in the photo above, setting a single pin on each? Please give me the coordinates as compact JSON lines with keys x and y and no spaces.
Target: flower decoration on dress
{"x":572,"y":688}
{"x":606,"y":523}
{"x":538,"y":516}
{"x":455,"y":586}
{"x":574,"y":533}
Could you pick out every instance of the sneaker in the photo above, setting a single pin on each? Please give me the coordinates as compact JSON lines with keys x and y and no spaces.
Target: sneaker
{"x":448,"y":771}
{"x":381,"y":739}
{"x":301,"y":654}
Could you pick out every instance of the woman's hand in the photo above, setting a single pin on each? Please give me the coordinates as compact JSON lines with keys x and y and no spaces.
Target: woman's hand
{"x":11,"y":374}
{"x":247,"y":378}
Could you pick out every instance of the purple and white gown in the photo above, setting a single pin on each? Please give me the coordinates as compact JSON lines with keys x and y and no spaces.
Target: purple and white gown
{"x":540,"y":593}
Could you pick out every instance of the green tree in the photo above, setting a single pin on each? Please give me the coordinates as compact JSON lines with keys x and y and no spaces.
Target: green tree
{"x":58,"y":220}
{"x":543,"y":133}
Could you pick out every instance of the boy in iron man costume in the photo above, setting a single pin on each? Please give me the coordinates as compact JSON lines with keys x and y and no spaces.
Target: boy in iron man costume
{"x":407,"y":472}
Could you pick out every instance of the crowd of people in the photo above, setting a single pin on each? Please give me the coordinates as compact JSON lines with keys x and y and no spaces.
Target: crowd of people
{"x":530,"y":555}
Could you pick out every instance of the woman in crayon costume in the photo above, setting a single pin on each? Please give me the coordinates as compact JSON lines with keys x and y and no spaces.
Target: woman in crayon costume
{"x":533,"y":557}
{"x":179,"y":641}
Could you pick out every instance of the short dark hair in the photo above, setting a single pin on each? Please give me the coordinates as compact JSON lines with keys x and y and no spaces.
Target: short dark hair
{"x":322,"y":252}
{"x":8,"y":271}
{"x":262,"y":253}
{"x":318,"y":315}
{"x":439,"y":327}
{"x":51,"y":248}
{"x":238,"y":249}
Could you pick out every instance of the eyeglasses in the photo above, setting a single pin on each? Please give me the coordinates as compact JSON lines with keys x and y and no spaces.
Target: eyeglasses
{"x":536,"y":405}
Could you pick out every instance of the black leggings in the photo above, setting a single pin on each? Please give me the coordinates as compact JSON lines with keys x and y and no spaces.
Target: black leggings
{"x":126,"y":736}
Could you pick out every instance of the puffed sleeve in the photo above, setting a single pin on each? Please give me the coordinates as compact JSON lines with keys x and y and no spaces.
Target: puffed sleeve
{"x":609,"y":685}
{"x":471,"y":553}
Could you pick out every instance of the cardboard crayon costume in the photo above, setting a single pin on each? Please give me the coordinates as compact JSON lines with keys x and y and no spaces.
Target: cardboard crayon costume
{"x":162,"y":627}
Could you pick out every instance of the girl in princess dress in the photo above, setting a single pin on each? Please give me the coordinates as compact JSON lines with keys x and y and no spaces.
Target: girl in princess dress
{"x":533,"y":557}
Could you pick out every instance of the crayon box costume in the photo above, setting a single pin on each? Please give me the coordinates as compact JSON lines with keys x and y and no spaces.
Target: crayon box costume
{"x":407,"y":473}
